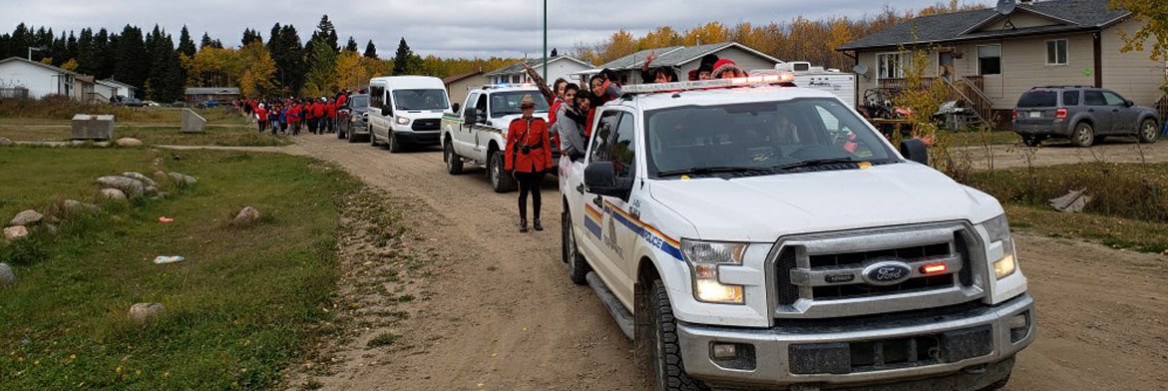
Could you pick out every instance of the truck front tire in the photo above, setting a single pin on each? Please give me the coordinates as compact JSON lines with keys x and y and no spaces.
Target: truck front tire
{"x":577,"y":266}
{"x":500,"y":181}
{"x":453,"y":161}
{"x":669,"y":371}
{"x":394,"y":145}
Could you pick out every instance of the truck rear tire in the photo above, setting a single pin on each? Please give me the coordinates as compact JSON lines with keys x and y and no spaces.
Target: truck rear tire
{"x":570,"y":253}
{"x":453,"y":161}
{"x":496,"y":170}
{"x":669,"y":370}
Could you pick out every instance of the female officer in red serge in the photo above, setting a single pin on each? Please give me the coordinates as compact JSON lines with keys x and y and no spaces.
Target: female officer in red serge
{"x":528,"y":157}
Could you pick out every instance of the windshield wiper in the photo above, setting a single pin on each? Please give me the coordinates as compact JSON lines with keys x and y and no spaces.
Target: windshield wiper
{"x":815,"y":163}
{"x":713,"y":170}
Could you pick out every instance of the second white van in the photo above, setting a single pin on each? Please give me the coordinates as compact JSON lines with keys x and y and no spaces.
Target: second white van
{"x":406,"y":111}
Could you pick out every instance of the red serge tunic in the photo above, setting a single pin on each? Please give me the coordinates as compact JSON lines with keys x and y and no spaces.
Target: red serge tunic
{"x":533,"y":134}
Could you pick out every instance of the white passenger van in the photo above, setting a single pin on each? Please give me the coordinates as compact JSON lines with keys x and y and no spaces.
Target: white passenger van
{"x":406,"y":110}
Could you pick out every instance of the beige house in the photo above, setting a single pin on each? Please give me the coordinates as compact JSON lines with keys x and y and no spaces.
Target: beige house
{"x":458,"y":86}
{"x":989,"y":57}
{"x":685,"y":59}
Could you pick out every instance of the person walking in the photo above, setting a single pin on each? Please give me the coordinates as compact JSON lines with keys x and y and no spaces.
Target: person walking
{"x":528,"y":157}
{"x":318,"y":111}
{"x":261,"y":117}
{"x":331,"y":110}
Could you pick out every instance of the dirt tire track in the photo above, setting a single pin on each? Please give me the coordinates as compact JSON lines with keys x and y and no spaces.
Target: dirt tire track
{"x":506,"y":317}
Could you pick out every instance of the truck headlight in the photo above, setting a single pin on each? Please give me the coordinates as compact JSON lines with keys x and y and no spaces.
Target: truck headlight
{"x":403,"y":121}
{"x":704,"y":258}
{"x":999,"y":231}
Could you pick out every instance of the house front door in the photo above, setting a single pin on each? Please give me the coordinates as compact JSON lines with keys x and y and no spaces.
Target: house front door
{"x":945,"y":65}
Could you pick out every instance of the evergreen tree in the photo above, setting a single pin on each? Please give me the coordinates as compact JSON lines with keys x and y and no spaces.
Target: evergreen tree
{"x":250,"y":36}
{"x":129,"y":67}
{"x":370,"y":50}
{"x":288,"y":54}
{"x":322,"y":58}
{"x":206,"y":42}
{"x":71,"y":47}
{"x":405,"y":62}
{"x":20,"y":41}
{"x":87,"y":60}
{"x":165,"y":81}
{"x":186,"y":45}
{"x":352,"y":45}
{"x":103,"y":51}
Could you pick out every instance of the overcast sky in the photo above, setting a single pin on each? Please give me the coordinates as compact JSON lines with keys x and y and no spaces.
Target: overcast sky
{"x":447,"y":28}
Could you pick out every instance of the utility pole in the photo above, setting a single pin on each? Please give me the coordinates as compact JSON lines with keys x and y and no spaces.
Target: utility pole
{"x":35,"y":49}
{"x":545,"y":52}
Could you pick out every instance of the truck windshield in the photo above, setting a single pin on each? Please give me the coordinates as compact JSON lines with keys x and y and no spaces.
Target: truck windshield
{"x":416,"y":100}
{"x":764,"y":138}
{"x":507,"y":103}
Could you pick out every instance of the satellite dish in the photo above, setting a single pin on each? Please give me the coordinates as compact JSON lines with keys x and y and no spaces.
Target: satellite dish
{"x":861,"y":70}
{"x":1006,"y":7}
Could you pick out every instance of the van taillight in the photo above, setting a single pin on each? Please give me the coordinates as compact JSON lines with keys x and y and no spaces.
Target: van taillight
{"x":1060,"y":114}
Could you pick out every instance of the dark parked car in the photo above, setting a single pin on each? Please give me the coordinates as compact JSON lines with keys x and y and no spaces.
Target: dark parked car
{"x":1082,"y":114}
{"x":351,"y":118}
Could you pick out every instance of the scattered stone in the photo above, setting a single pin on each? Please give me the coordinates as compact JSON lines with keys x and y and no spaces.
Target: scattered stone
{"x":160,"y":175}
{"x":151,"y":189}
{"x":141,"y":313}
{"x":130,"y":186}
{"x":113,"y":194}
{"x":1073,"y":202}
{"x":140,"y":177}
{"x":74,"y":207}
{"x":28,"y":217}
{"x":4,"y":141}
{"x":6,"y":274}
{"x":247,"y":216}
{"x":15,"y":232}
{"x":128,"y":142}
{"x":180,"y":177}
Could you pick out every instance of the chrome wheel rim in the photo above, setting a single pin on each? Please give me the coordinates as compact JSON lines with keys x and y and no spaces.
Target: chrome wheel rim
{"x":1149,"y":130}
{"x":1084,"y":135}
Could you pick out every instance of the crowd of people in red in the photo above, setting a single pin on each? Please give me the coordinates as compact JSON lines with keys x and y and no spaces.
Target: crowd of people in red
{"x":287,"y":115}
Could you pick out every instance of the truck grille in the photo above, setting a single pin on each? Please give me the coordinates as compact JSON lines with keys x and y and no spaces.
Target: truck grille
{"x":830,"y":275}
{"x":427,"y":124}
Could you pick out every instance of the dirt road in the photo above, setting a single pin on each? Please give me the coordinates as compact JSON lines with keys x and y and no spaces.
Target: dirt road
{"x":1117,"y":150}
{"x":504,"y":316}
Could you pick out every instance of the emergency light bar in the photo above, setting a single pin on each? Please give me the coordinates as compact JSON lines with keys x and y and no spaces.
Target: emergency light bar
{"x":781,"y":78}
{"x":508,"y":85}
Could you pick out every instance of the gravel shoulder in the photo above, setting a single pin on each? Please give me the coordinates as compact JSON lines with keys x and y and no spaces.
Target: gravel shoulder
{"x":503,"y":314}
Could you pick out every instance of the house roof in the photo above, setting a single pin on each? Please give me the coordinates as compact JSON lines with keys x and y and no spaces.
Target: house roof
{"x":676,"y":56}
{"x":212,"y":91}
{"x":1073,"y":15}
{"x":460,"y":77}
{"x":116,"y":83}
{"x":534,"y":62}
{"x":40,"y":64}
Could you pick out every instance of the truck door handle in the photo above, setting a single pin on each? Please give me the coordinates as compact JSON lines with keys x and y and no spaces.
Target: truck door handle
{"x":580,"y":188}
{"x":598,"y":201}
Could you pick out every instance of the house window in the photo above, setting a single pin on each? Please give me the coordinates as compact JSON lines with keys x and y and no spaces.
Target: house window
{"x":989,"y":60}
{"x":515,"y":79}
{"x":889,"y":66}
{"x":1056,"y":52}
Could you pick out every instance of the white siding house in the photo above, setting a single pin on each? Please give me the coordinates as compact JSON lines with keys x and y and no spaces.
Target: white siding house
{"x":39,"y":79}
{"x":558,"y":67}
{"x":121,"y":89}
{"x":685,"y":59}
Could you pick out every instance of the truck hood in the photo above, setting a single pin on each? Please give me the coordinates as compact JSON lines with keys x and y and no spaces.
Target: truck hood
{"x":505,"y":121}
{"x":765,"y":208}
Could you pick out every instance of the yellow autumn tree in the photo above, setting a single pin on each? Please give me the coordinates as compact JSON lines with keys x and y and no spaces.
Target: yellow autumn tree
{"x":353,"y":70}
{"x":620,"y":44}
{"x":256,"y":69}
{"x":1152,"y":15}
{"x":70,"y":65}
{"x":213,"y":67}
{"x":663,"y":36}
{"x":713,"y":32}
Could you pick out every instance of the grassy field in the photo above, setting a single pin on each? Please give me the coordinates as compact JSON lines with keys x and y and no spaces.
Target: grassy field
{"x":1128,"y":209}
{"x":239,"y":309}
{"x":974,"y":138}
{"x":152,"y":125}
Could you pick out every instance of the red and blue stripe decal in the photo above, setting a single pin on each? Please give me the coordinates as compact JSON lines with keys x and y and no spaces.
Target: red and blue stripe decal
{"x":647,"y":232}
{"x":592,"y":220}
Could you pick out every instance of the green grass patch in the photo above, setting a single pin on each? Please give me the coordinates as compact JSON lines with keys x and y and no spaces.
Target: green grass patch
{"x":1125,"y":190}
{"x":226,"y":131}
{"x":239,"y":310}
{"x":977,"y":138}
{"x":1113,"y":232}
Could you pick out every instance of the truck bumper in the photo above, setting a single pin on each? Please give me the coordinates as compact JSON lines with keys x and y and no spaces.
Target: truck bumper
{"x":963,"y":348}
{"x":413,"y":137}
{"x":1056,"y":127}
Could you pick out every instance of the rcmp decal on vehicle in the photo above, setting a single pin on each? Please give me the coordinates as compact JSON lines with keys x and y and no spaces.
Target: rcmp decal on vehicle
{"x":647,"y":232}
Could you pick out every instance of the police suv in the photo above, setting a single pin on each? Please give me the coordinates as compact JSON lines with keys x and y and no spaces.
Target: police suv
{"x":476,"y":132}
{"x":750,"y":234}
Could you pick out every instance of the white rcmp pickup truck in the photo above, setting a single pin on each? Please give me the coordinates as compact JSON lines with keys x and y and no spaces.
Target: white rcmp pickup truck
{"x":748,"y":234}
{"x":476,"y":132}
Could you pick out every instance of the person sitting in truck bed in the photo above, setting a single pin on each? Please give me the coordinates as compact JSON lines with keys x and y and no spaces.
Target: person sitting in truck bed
{"x":570,"y":125}
{"x":656,"y":74}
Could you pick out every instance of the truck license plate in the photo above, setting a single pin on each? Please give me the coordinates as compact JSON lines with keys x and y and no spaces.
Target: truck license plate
{"x":1035,"y":114}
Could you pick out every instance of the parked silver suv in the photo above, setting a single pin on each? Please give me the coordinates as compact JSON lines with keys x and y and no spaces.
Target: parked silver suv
{"x":1082,"y":114}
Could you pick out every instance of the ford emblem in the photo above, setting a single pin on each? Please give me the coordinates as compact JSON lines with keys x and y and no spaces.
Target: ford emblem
{"x":886,"y":273}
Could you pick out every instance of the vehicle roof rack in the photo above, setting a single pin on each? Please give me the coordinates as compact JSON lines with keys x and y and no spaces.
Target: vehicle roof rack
{"x":785,"y":79}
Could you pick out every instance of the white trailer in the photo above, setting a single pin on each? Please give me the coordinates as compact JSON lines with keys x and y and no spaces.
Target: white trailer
{"x":840,"y":84}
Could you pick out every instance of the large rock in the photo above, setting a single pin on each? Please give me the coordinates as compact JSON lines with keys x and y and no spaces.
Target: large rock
{"x":180,"y":177}
{"x":192,"y":122}
{"x":28,"y":217}
{"x":113,"y":194}
{"x":6,"y":274}
{"x":130,"y":186}
{"x":141,"y":313}
{"x":128,"y":142}
{"x":5,"y":141}
{"x":247,"y":216}
{"x":74,"y":207}
{"x":137,"y":175}
{"x":16,"y":232}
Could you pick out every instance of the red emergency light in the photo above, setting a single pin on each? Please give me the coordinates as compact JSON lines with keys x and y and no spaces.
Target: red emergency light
{"x":934,"y":268}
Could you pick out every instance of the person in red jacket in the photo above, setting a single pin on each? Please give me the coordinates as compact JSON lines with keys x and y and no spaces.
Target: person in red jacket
{"x":262,"y":117}
{"x":318,"y":111}
{"x":294,"y":118}
{"x":331,"y":110}
{"x":309,"y":119}
{"x":528,"y":158}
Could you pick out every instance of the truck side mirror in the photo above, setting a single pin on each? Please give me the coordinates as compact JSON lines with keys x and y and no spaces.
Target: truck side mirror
{"x":454,"y":108}
{"x":915,"y":150}
{"x":600,"y":178}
